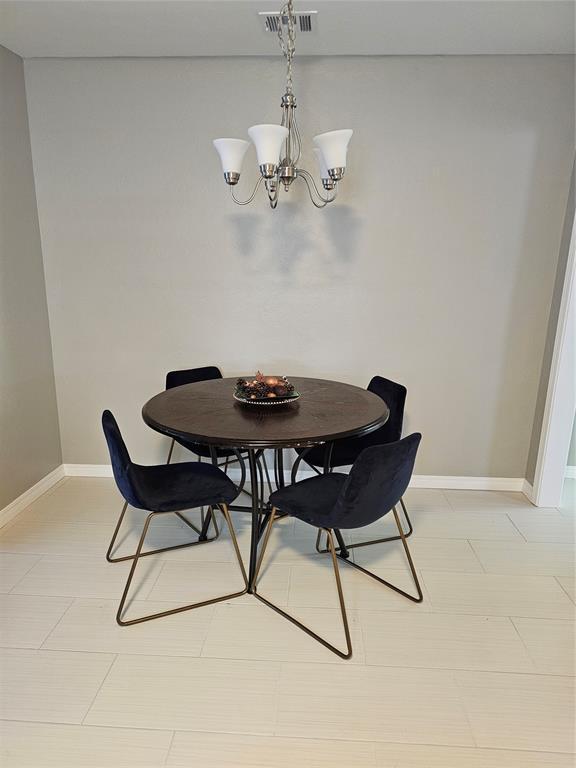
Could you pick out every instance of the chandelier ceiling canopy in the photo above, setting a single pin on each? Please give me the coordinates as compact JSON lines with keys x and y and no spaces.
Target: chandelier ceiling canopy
{"x":278,"y":147}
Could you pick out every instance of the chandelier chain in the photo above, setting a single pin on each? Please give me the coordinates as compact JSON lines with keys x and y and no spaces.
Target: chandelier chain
{"x":288,"y":42}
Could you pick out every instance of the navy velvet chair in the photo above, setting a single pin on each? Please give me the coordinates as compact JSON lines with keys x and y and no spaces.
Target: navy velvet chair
{"x":167,"y":489}
{"x":342,"y":453}
{"x":336,"y":501}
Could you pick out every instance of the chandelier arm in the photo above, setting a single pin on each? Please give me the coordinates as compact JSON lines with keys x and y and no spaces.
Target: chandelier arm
{"x":252,"y":196}
{"x":288,"y":143}
{"x":309,"y":179}
{"x":314,"y":203}
{"x":298,"y":140}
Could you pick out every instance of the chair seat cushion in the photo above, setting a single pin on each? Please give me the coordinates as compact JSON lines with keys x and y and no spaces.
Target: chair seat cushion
{"x":172,"y":487}
{"x":204,"y":450}
{"x":311,"y":500}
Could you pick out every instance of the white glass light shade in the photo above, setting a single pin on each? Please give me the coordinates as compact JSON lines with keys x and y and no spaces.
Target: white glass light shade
{"x":334,"y":146}
{"x":231,"y":153}
{"x":268,"y":141}
{"x":321,"y":164}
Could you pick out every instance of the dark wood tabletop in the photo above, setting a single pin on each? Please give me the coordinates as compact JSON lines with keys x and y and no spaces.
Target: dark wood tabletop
{"x":206,"y":412}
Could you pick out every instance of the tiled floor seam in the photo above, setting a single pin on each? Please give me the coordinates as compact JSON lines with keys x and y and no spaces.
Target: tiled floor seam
{"x":564,"y":589}
{"x":518,"y":529}
{"x":460,"y":695}
{"x":371,"y":742}
{"x":528,"y":654}
{"x":315,"y":662}
{"x":312,"y":662}
{"x":394,"y":743}
{"x":289,"y":589}
{"x":114,"y":660}
{"x":208,"y":628}
{"x":10,"y":591}
{"x":72,"y":602}
{"x":288,"y":737}
{"x":280,"y":666}
{"x":167,"y":756}
{"x":160,"y":569}
{"x":470,"y":543}
{"x":447,"y":499}
{"x":384,"y":611}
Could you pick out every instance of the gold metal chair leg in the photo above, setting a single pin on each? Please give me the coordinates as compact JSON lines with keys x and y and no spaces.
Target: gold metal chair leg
{"x":325,"y":643}
{"x":123,"y":622}
{"x":161,"y":549}
{"x":113,"y":540}
{"x":402,"y":536}
{"x":408,"y":533}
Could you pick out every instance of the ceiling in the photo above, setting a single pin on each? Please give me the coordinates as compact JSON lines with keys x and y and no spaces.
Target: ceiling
{"x":64,"y":28}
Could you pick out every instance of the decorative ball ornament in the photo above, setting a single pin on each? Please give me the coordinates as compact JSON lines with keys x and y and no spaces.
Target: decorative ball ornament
{"x":265,"y":390}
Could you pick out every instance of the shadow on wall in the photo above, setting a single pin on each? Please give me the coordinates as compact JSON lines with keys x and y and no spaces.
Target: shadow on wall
{"x":342,"y":225}
{"x":282,"y":240}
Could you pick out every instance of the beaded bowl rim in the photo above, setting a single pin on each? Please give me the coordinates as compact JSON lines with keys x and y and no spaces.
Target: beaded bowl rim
{"x":267,"y":400}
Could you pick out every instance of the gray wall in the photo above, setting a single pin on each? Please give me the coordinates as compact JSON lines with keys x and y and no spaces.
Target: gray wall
{"x":572,"y":452}
{"x":551,"y":331}
{"x":436,"y":268}
{"x":29,"y":435}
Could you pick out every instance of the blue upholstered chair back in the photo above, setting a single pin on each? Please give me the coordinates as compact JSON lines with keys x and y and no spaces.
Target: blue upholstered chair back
{"x":346,"y":451}
{"x":394,"y":395}
{"x":121,"y":461}
{"x":376,"y":483}
{"x":192,"y":375}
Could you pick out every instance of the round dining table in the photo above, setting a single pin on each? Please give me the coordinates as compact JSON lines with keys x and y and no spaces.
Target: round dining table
{"x":206,"y":412}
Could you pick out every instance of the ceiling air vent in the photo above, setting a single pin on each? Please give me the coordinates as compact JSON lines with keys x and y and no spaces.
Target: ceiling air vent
{"x":305,"y":21}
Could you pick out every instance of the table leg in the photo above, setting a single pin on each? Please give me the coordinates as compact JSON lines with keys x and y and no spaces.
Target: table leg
{"x":252,"y":464}
{"x":328,"y":457}
{"x":280,"y":460}
{"x":208,"y":517}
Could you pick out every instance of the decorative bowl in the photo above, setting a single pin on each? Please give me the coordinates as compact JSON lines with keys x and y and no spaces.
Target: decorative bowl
{"x":265,"y":390}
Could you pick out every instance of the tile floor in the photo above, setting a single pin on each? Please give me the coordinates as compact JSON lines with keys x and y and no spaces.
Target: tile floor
{"x":478,"y":676}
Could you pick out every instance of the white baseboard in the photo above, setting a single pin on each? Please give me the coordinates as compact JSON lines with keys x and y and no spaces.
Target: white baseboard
{"x":517,"y":484}
{"x":528,"y":491}
{"x":570,"y":473}
{"x":463,"y":483}
{"x":25,"y":499}
{"x":436,"y":481}
{"x":88,"y":470}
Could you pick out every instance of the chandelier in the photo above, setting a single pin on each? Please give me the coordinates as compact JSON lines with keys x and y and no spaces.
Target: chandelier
{"x":278,"y":147}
